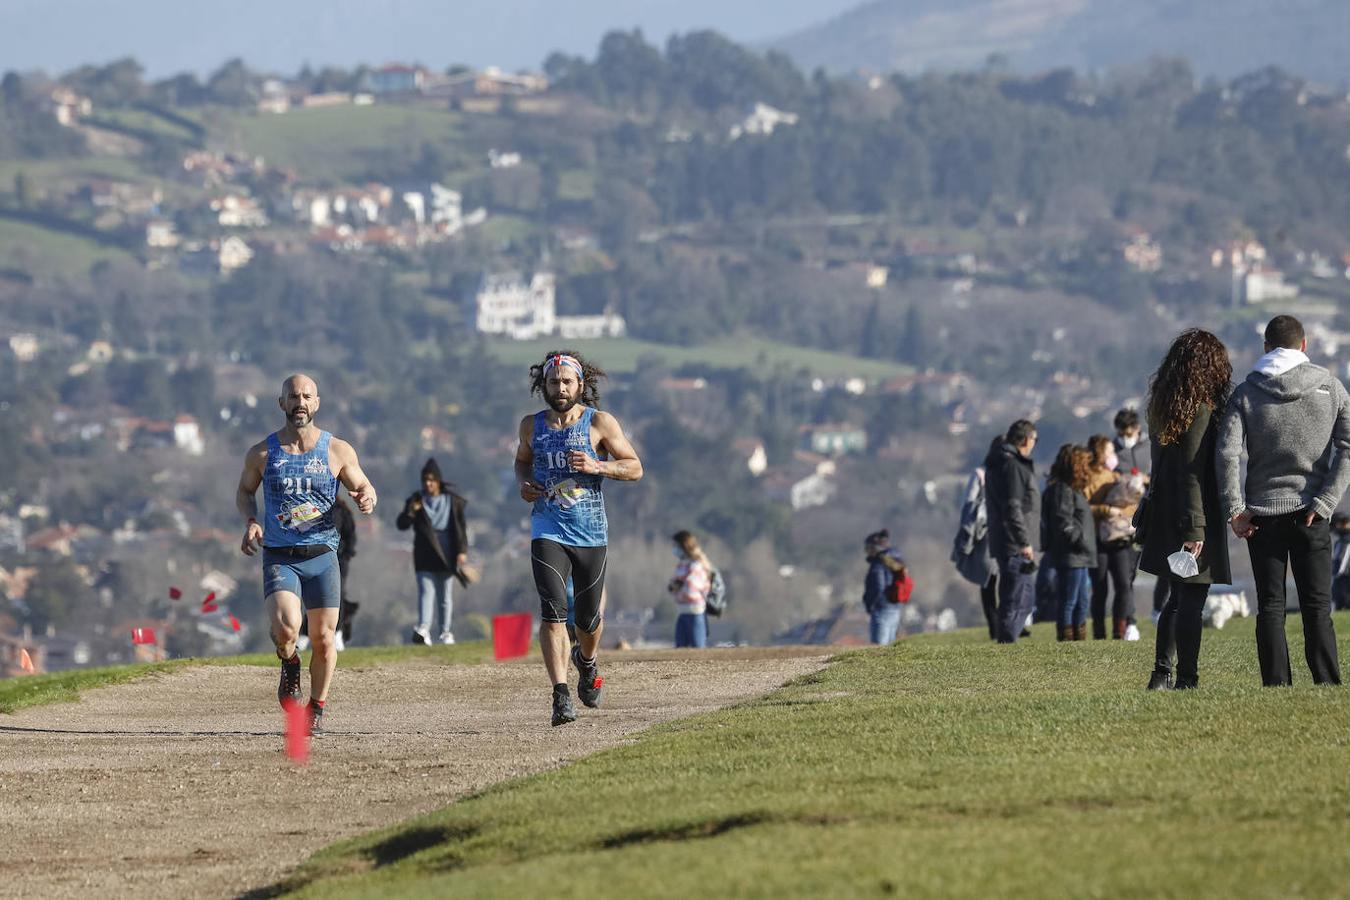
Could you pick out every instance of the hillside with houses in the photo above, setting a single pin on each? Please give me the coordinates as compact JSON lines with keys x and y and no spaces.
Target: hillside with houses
{"x":818,"y":298}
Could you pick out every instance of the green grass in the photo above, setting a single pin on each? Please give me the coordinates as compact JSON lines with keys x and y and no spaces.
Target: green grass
{"x":65,"y":687}
{"x":937,"y":767}
{"x":48,"y":255}
{"x":333,"y":142}
{"x":622,"y":356}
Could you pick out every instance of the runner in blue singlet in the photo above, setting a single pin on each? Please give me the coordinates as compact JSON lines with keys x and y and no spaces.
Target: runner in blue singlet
{"x":299,"y":468}
{"x":565,"y":453}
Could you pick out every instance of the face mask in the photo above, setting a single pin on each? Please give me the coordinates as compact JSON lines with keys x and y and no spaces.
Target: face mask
{"x":1112,"y":460}
{"x":1129,"y":442}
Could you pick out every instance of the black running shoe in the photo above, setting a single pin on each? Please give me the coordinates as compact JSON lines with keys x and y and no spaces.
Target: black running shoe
{"x":315,"y":720}
{"x":563,"y":711}
{"x":1160,"y":681}
{"x":289,"y":689}
{"x":589,"y":681}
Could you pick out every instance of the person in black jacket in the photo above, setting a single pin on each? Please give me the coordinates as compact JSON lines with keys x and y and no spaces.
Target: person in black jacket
{"x":1014,"y":507}
{"x":1069,"y":534}
{"x":436,"y":516}
{"x":1182,"y":510}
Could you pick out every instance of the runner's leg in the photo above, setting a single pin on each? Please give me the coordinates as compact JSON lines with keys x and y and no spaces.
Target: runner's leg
{"x":322,"y":592}
{"x":323,"y":650}
{"x":588,"y":579}
{"x":283,"y":618}
{"x":552,"y":566}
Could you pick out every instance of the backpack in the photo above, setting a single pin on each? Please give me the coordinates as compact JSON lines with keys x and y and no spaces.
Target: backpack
{"x":716,"y":600}
{"x":900,"y":589}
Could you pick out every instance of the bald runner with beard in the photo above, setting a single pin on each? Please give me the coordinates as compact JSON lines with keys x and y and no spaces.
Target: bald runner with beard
{"x":299,"y":469}
{"x":566,"y":452}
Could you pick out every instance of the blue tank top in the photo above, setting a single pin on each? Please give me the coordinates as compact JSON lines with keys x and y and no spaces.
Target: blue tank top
{"x":573,"y":512}
{"x":299,"y":490}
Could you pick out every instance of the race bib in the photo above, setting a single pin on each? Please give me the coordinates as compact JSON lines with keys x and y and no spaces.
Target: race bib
{"x":301,"y":517}
{"x":567,"y":493}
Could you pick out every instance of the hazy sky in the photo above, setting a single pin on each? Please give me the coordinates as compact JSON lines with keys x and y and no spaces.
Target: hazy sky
{"x":169,"y":36}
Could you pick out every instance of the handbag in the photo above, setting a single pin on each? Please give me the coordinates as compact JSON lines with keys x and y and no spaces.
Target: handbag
{"x":1140,"y":519}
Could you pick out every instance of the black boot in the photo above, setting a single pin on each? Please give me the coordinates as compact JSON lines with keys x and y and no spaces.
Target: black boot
{"x":1160,"y":681}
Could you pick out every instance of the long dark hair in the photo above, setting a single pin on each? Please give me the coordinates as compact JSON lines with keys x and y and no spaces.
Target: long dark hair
{"x":591,"y":375}
{"x":1195,"y":372}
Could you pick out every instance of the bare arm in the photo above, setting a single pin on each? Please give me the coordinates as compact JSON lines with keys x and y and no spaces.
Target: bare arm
{"x":530,"y":490}
{"x":245,"y":497}
{"x":623,"y":463}
{"x":348,"y":470}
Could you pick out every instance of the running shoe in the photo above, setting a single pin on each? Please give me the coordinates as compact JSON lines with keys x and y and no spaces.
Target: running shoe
{"x":421,"y":636}
{"x":289,"y":689}
{"x":563,"y":711}
{"x":589,"y":681}
{"x":315,"y":720}
{"x":446,"y":638}
{"x":1132,"y":632}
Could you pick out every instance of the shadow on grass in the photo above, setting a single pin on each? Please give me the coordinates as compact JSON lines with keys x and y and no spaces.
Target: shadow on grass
{"x":710,"y":828}
{"x":409,"y":843}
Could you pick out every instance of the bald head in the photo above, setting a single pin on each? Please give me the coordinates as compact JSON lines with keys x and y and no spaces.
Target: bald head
{"x":299,"y":381}
{"x":299,"y":400}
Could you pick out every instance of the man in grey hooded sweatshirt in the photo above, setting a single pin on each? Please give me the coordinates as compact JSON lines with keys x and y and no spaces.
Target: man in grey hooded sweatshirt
{"x":1294,"y":419}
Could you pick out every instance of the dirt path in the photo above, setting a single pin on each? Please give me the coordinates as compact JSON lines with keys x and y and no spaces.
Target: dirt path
{"x":177,"y":786}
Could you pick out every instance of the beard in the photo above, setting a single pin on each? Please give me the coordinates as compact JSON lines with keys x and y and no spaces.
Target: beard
{"x":561,"y":404}
{"x":300,"y":418}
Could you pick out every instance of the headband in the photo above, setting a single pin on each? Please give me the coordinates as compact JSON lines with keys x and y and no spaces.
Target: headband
{"x":571,"y":362}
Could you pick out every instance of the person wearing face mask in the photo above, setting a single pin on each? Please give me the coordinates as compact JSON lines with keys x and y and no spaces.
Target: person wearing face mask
{"x":1116,"y":559}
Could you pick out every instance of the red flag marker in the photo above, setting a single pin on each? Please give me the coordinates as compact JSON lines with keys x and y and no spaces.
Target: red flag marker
{"x":25,"y":662}
{"x":297,"y":732}
{"x":234,"y":623}
{"x":175,"y":594}
{"x":143,"y":635}
{"x":209,"y":604}
{"x":511,"y":635}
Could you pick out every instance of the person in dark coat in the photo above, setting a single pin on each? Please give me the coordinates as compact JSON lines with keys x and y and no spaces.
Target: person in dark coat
{"x":440,"y":543}
{"x":1069,"y":535}
{"x":1014,"y":508}
{"x":1183,"y":510}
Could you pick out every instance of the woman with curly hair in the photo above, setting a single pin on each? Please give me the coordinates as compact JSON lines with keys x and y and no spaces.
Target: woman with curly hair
{"x":1069,"y":537}
{"x":1182,"y":510}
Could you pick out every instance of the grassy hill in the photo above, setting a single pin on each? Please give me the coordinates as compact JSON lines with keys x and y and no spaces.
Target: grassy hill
{"x":339,"y":142}
{"x":942,"y":766}
{"x":622,"y":356}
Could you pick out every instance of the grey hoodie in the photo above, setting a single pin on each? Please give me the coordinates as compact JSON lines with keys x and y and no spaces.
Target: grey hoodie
{"x":1295,"y":424}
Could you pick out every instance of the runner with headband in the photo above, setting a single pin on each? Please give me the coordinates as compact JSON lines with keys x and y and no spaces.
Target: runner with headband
{"x":565,"y":453}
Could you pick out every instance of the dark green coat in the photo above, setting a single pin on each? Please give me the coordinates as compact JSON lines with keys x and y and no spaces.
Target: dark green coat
{"x":1183,"y":504}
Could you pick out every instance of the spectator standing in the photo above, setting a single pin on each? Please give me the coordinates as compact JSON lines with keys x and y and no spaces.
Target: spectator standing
{"x":1183,"y":511}
{"x":1116,"y":557}
{"x":440,"y":542}
{"x":689,"y":587}
{"x":1340,"y":562}
{"x":1293,"y":418}
{"x":1069,"y":536}
{"x":1134,"y":451}
{"x":970,"y":550}
{"x":1014,"y":506}
{"x":884,"y":566}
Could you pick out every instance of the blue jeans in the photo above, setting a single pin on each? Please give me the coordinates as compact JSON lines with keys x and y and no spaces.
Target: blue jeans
{"x":1016,"y":597}
{"x":434,"y":589}
{"x":1075,"y":592}
{"x":885,"y":622}
{"x":691,"y":630}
